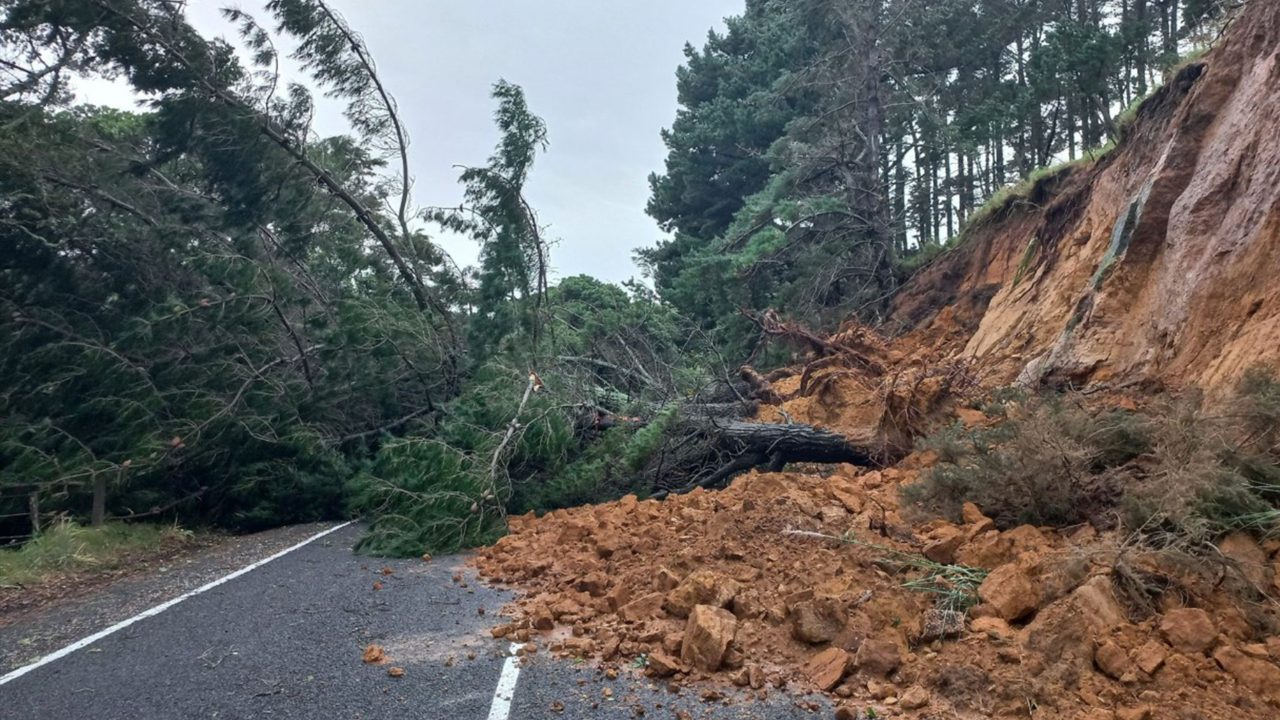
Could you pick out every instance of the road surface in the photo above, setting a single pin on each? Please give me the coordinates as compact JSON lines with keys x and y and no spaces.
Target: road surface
{"x":284,"y":640}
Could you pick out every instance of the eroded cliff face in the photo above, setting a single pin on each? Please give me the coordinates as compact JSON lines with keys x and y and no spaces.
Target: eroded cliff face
{"x":1157,"y":265}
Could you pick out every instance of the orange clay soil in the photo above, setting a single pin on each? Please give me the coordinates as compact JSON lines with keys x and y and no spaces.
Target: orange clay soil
{"x":741,"y":586}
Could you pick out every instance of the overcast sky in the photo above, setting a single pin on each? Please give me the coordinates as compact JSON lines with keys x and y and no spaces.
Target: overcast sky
{"x":600,"y":72}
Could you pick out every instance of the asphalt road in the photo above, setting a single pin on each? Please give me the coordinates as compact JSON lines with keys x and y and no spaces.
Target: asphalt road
{"x":285,"y":641}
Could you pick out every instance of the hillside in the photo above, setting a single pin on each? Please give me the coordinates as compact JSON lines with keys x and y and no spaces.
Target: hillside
{"x":1136,"y":279}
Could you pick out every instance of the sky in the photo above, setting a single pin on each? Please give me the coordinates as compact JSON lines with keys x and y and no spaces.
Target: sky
{"x":600,"y":72}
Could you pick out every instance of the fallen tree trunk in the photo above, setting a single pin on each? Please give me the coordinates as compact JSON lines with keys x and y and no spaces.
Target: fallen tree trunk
{"x":732,"y":447}
{"x":795,"y":443}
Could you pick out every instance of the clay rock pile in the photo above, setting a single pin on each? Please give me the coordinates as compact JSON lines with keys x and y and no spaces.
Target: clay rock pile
{"x":712,"y":588}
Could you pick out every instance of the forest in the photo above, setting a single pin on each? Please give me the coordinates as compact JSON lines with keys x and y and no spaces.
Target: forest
{"x":211,"y":314}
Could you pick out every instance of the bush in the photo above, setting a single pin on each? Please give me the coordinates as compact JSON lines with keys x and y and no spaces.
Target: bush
{"x":1179,"y":476}
{"x":1048,"y":463}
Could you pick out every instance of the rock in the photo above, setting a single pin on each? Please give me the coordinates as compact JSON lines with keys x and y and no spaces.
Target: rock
{"x":673,"y":642}
{"x":849,"y":712}
{"x":620,"y":595}
{"x":1141,"y":712}
{"x":703,"y":587}
{"x":878,"y":657}
{"x":915,"y":698}
{"x":987,"y":550}
{"x":374,"y":655}
{"x":1112,"y":660}
{"x":1150,"y":657}
{"x":733,"y":657}
{"x":1260,"y":676}
{"x":1097,"y":602}
{"x":594,"y":583}
{"x":755,"y":674}
{"x":747,"y":605}
{"x":1188,"y":630}
{"x":940,"y":624}
{"x":846,"y":494}
{"x":565,"y":607}
{"x":578,"y":646}
{"x":943,"y":549}
{"x":832,"y":515}
{"x":881,"y":690}
{"x":663,"y":665}
{"x":1011,"y":592}
{"x":641,"y":609}
{"x":664,"y":580}
{"x":977,"y":522}
{"x":815,"y":621}
{"x":992,"y":627}
{"x":707,"y":636}
{"x":1250,"y":558}
{"x":826,"y":669}
{"x":542,"y":619}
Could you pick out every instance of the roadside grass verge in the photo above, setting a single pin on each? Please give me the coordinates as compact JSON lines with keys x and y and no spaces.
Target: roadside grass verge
{"x":70,"y":548}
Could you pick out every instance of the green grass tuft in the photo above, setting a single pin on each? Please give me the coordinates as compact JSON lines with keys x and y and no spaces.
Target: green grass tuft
{"x":68,"y":547}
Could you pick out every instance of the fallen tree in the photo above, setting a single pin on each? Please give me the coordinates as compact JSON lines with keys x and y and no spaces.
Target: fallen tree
{"x":709,"y":444}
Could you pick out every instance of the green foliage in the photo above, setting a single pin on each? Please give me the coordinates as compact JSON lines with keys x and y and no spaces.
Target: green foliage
{"x":765,"y":152}
{"x":68,"y":548}
{"x":513,"y":256}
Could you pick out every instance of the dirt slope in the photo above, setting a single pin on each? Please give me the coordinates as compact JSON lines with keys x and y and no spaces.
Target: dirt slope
{"x":1157,"y":266}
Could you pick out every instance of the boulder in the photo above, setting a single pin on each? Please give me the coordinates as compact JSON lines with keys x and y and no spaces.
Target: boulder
{"x":815,"y":621}
{"x":707,"y":636}
{"x":977,"y":522}
{"x":993,"y":627}
{"x":940,"y":624}
{"x":594,"y":583}
{"x":914,"y":698}
{"x":620,"y":595}
{"x":942,"y":549}
{"x":1097,"y":601}
{"x":542,"y":619}
{"x":663,"y":665}
{"x":1250,"y":558}
{"x":878,"y":656}
{"x":1011,"y":592}
{"x":1150,"y":656}
{"x":846,"y":493}
{"x":1112,"y":660}
{"x":664,"y":580}
{"x":1260,"y":676}
{"x":826,"y":669}
{"x":641,"y":608}
{"x":703,"y":587}
{"x":1188,"y":630}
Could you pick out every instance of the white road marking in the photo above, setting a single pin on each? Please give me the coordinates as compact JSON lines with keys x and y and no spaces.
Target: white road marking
{"x":506,"y":690}
{"x":158,"y":609}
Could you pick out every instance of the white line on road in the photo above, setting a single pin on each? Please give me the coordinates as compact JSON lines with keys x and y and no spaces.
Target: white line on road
{"x":158,"y":609}
{"x":506,"y":690}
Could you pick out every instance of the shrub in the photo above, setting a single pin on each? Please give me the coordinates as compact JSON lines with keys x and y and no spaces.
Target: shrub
{"x":1179,"y":476}
{"x":1048,"y":463}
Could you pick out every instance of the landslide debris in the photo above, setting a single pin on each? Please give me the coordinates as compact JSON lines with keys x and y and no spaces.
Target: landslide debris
{"x":774,"y":585}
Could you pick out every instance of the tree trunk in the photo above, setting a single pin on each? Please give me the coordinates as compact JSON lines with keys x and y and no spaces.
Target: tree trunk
{"x":795,"y":443}
{"x":98,"y":516}
{"x":33,"y":507}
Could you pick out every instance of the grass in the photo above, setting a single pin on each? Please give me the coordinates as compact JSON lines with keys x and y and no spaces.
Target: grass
{"x":69,"y":548}
{"x":955,"y":587}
